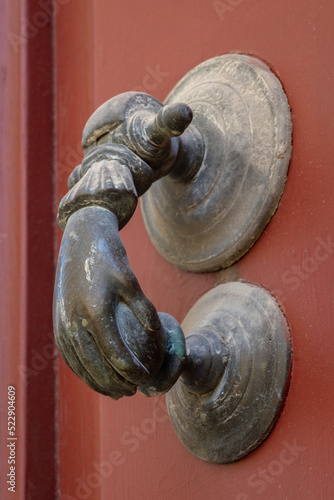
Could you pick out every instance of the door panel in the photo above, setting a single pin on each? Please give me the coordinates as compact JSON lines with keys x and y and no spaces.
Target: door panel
{"x":26,"y":254}
{"x":127,"y":449}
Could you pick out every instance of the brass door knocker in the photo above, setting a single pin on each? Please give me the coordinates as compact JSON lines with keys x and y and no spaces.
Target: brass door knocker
{"x":212,"y":165}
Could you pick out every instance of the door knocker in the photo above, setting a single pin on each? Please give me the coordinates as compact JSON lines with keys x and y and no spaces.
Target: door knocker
{"x":211,"y":165}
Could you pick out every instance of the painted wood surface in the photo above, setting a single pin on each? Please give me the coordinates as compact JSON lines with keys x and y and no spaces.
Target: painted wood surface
{"x":27,"y":249}
{"x":128,"y":449}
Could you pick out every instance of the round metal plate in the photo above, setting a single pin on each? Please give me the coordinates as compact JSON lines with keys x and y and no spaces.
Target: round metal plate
{"x":243,"y":115}
{"x":229,"y":422}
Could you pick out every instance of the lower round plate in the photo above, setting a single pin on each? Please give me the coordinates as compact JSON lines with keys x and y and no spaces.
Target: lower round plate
{"x":232,"y":420}
{"x":243,"y":115}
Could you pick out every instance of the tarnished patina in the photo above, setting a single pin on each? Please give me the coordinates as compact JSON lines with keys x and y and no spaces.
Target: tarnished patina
{"x":216,"y":182}
{"x":243,"y":117}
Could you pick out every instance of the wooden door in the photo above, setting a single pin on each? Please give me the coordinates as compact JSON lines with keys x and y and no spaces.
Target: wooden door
{"x":127,"y":450}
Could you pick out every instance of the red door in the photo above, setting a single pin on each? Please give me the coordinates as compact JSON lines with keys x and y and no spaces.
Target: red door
{"x":127,"y":449}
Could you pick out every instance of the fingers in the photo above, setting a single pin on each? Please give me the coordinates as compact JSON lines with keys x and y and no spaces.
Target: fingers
{"x":120,"y":354}
{"x":95,"y":363}
{"x":142,"y":308}
{"x":125,"y":324}
{"x":71,"y":359}
{"x":148,"y":345}
{"x":132,"y":295}
{"x":125,"y":285}
{"x":137,"y":321}
{"x":87,"y":362}
{"x":107,"y":330}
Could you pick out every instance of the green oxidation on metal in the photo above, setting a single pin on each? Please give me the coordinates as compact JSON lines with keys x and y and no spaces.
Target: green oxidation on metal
{"x":176,"y":338}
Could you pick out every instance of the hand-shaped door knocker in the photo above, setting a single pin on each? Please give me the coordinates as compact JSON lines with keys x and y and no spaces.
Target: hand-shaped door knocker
{"x":218,"y":162}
